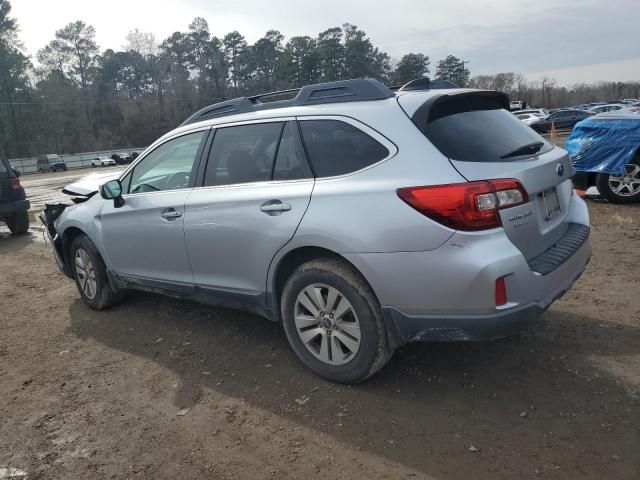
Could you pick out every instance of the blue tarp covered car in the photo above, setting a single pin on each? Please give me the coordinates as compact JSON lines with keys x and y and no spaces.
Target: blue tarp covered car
{"x":605,"y":152}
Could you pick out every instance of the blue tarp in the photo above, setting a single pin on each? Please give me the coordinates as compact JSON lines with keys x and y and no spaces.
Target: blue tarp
{"x":604,"y":144}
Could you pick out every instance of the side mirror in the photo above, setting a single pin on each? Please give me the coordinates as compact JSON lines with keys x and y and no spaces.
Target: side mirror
{"x":112,"y":190}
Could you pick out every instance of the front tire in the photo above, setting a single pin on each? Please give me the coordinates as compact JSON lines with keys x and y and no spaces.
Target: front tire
{"x":18,"y":223}
{"x":333,"y":321}
{"x":90,"y":274}
{"x":623,"y":188}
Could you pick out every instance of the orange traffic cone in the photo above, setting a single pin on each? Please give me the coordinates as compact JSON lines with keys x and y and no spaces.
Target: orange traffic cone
{"x":554,"y":132}
{"x":580,"y":193}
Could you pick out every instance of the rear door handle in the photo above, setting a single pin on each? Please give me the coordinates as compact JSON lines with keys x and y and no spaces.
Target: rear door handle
{"x":170,"y":213}
{"x":274,"y":207}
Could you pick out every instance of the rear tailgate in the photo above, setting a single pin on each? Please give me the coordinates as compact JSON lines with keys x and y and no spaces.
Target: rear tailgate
{"x":539,"y":224}
{"x":484,"y":141}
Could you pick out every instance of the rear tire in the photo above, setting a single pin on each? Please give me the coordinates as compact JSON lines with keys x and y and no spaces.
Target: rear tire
{"x":18,"y":223}
{"x":621,"y":188}
{"x":351,"y":345}
{"x":90,"y":274}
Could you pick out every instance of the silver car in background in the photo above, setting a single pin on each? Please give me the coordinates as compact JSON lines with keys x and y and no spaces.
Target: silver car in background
{"x":359,"y":217}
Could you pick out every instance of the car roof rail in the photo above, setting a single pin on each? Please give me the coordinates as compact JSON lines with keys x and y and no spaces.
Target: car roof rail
{"x":358,"y":90}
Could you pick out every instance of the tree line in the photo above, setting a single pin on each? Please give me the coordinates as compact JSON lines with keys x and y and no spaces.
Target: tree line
{"x":77,"y":98}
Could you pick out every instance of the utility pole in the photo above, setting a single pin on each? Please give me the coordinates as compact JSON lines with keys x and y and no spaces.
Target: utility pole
{"x":463,"y":62}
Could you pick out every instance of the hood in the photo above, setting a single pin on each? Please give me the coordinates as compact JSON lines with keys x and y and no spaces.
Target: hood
{"x":88,"y":185}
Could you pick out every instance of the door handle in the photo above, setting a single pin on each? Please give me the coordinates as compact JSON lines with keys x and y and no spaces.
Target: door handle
{"x":274,"y":207}
{"x":170,"y":213}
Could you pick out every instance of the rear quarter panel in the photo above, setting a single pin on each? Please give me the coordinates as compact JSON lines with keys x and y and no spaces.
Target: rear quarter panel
{"x":361,"y":212}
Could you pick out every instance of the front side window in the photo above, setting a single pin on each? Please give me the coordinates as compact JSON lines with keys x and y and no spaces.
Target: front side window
{"x":169,"y":166}
{"x":338,"y":148}
{"x":243,"y":154}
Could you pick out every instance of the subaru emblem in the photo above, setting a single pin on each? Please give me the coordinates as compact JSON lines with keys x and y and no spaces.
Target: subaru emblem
{"x":560,"y":169}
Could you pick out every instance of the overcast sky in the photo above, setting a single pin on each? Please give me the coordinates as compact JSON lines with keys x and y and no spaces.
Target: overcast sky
{"x":572,"y":40}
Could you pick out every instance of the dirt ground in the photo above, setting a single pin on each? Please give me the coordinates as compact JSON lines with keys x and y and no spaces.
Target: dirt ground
{"x":158,"y":388}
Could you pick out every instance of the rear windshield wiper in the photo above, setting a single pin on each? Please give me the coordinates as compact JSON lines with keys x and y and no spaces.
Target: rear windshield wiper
{"x":528,"y":149}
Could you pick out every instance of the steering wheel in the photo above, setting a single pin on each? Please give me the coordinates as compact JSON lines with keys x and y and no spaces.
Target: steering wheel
{"x":177,"y":180}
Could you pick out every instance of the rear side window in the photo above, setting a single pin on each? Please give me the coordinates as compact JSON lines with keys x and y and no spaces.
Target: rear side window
{"x":338,"y":148}
{"x":243,"y":154}
{"x":479,"y":135}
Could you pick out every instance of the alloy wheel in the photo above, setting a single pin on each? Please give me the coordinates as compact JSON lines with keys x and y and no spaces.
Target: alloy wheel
{"x":627,"y":184}
{"x":327,"y":324}
{"x":85,"y":273}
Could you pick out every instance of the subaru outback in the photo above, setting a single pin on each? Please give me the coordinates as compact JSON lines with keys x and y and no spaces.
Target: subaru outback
{"x":359,"y":217}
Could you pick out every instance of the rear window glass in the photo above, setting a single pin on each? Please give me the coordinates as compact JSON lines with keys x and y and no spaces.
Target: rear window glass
{"x":337,"y":148}
{"x":481,"y":135}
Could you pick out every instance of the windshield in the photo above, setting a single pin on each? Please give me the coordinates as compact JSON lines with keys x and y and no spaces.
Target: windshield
{"x":483,"y":136}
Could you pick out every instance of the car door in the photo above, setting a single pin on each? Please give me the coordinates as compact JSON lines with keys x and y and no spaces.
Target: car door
{"x":255,"y":189}
{"x":144,"y":238}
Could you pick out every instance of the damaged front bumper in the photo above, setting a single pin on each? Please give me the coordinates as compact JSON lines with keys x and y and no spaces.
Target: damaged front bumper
{"x":48,"y":217}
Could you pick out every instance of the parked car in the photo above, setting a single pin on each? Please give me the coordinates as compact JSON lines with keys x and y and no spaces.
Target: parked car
{"x":102,"y":162}
{"x":611,"y":107}
{"x":14,"y":205}
{"x":539,"y":112}
{"x":527,"y":118}
{"x":605,"y":154}
{"x":517,"y":105}
{"x":358,"y":217}
{"x":122,"y":158}
{"x":50,"y":163}
{"x":559,"y":118}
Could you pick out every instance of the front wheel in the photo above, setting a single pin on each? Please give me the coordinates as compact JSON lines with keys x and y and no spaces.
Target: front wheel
{"x":623,"y":188}
{"x":333,"y":321}
{"x":90,"y":274}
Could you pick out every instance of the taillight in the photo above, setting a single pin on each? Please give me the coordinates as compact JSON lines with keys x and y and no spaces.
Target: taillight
{"x":466,"y":206}
{"x":15,"y":183}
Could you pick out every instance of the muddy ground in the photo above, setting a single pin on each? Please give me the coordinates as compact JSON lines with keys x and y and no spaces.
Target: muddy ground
{"x":158,"y":388}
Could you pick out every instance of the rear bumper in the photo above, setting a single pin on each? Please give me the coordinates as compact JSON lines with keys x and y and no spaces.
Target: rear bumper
{"x":13,"y":207}
{"x":403,"y":328}
{"x":449,"y":293}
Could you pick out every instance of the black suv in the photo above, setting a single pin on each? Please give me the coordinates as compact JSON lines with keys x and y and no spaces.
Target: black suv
{"x":13,"y":202}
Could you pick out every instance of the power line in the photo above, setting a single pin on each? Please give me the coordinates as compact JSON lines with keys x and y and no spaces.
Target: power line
{"x":82,"y":102}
